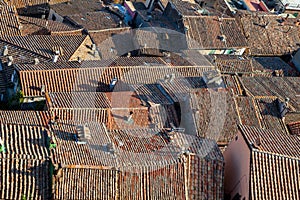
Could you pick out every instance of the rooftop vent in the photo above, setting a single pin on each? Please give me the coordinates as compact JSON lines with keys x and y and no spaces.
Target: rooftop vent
{"x":93,"y":47}
{"x":222,"y":38}
{"x":36,"y":61}
{"x":5,"y":51}
{"x":258,"y":141}
{"x":55,"y":58}
{"x":213,"y":79}
{"x":43,"y":89}
{"x":10,"y":60}
{"x":112,"y":84}
{"x":176,"y":129}
{"x":129,"y":119}
{"x":83,"y":134}
{"x":186,"y":28}
{"x":79,"y":59}
{"x":283,"y":107}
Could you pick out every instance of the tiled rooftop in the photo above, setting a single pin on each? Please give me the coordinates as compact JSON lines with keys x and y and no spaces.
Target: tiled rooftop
{"x":44,"y":45}
{"x":281,"y":87}
{"x":272,"y":141}
{"x":76,"y":7}
{"x":78,"y":100}
{"x":25,"y":142}
{"x":131,"y":159}
{"x":204,"y":33}
{"x":274,"y":162}
{"x":31,"y":118}
{"x":92,"y":77}
{"x":213,"y":113}
{"x":9,"y":24}
{"x":37,"y":26}
{"x":266,"y":36}
{"x":93,"y":21}
{"x":24,"y":178}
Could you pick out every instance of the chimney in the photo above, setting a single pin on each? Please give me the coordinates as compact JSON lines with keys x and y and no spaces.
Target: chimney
{"x":55,"y":58}
{"x":112,"y":84}
{"x":10,"y":60}
{"x":5,"y":51}
{"x":56,"y":55}
{"x":172,"y":77}
{"x":258,"y":141}
{"x":186,"y":28}
{"x":129,"y":118}
{"x":93,"y":47}
{"x":43,"y":89}
{"x":222,"y":38}
{"x":283,"y":107}
{"x":128,"y":55}
{"x":20,"y":27}
{"x":36,"y":61}
{"x":79,"y":59}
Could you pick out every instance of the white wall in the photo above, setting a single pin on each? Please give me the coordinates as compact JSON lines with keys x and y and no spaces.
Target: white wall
{"x":237,"y":168}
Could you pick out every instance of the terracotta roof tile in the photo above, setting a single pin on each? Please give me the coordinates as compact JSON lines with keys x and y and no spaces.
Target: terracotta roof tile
{"x":248,"y":111}
{"x":206,"y":109}
{"x":78,"y":100}
{"x":92,"y":76}
{"x":130,"y":168}
{"x":272,"y":141}
{"x":31,"y":118}
{"x":19,"y":54}
{"x":75,"y":7}
{"x":37,"y":26}
{"x":25,"y":3}
{"x":294,"y":128}
{"x":9,"y":24}
{"x":266,"y":36}
{"x":276,"y":63}
{"x":73,"y":184}
{"x":270,"y":115}
{"x":279,"y":173}
{"x":25,"y":178}
{"x":281,"y":87}
{"x":204,"y":32}
{"x":93,"y":21}
{"x":25,"y":142}
{"x":43,"y":44}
